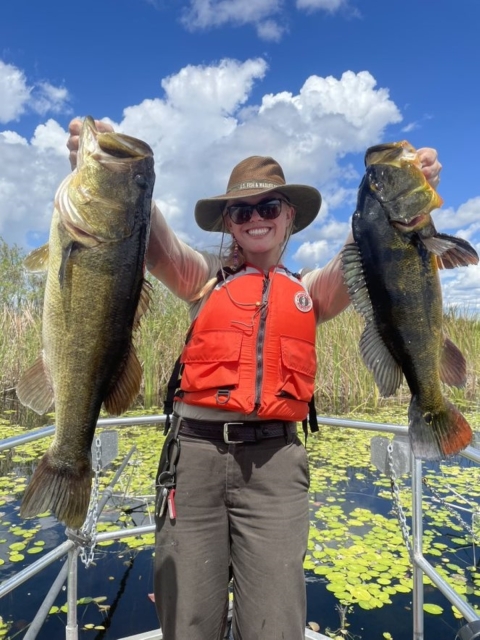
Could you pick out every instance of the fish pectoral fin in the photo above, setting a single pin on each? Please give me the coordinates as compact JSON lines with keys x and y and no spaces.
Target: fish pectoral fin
{"x":453,"y":367}
{"x":451,"y":252}
{"x":143,"y":302}
{"x":34,"y":389}
{"x":66,"y":252}
{"x":386,"y":371}
{"x":126,"y":386}
{"x":37,"y":260}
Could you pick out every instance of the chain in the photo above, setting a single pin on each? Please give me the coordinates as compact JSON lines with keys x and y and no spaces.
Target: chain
{"x":398,"y":505}
{"x":453,"y":511}
{"x":89,"y":528}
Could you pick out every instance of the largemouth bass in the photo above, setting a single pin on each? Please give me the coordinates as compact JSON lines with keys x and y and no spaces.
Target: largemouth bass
{"x":94,"y":297}
{"x":391,"y":271}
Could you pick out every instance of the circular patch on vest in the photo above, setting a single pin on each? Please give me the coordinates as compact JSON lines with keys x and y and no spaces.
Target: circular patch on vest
{"x":303,"y":302}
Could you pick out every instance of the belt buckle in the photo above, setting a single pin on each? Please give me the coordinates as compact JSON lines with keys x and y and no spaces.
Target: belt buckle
{"x":225,"y":433}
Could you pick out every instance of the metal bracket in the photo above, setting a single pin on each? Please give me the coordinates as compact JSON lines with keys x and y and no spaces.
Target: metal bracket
{"x":109,"y":448}
{"x":400,"y":454}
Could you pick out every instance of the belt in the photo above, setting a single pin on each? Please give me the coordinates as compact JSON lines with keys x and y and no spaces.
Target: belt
{"x":235,"y":432}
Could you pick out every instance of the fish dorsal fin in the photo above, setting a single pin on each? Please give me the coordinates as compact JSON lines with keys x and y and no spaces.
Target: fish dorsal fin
{"x":453,"y":367}
{"x":378,"y":359}
{"x":34,"y":389}
{"x":451,"y":252}
{"x":355,"y":280}
{"x":126,"y":387}
{"x":143,"y":302}
{"x":37,"y":260}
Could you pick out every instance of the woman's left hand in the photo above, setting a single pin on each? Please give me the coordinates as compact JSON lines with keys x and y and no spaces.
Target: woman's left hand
{"x":431,"y":167}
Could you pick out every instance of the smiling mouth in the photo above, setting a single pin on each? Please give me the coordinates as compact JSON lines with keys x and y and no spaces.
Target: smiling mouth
{"x":258,"y":232}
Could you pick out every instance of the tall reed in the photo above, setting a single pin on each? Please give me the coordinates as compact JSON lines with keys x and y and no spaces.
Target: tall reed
{"x":343,"y":382}
{"x":159,"y":342}
{"x":20,"y":343}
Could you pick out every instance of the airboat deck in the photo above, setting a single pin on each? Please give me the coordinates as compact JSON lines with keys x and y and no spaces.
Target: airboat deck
{"x":157,"y":635}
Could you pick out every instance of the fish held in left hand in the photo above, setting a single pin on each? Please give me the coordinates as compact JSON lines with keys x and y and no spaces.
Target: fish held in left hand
{"x":391,"y":271}
{"x":95,"y":295}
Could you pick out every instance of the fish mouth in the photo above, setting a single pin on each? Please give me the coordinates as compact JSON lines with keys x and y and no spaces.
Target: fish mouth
{"x":413,"y":224}
{"x":109,"y":148}
{"x":123,"y":146}
{"x":393,"y":153}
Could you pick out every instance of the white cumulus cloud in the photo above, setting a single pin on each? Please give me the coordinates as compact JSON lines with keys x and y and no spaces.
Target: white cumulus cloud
{"x":466,"y":214}
{"x":18,"y":96}
{"x":14,"y":91}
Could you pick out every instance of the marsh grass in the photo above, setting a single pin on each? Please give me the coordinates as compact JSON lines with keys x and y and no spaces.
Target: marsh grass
{"x":343,"y":382}
{"x":159,"y":341}
{"x":20,"y":340}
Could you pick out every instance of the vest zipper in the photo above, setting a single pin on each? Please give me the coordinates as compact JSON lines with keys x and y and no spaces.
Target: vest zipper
{"x":260,"y":342}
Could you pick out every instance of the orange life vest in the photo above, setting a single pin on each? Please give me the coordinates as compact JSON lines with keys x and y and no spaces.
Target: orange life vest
{"x":252,"y":347}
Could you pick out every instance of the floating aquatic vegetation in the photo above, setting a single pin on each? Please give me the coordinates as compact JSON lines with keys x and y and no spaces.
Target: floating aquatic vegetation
{"x":4,"y":626}
{"x":434,"y":609}
{"x":359,"y":552}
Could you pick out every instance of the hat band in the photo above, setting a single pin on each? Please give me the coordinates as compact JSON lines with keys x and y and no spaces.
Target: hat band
{"x":253,"y":185}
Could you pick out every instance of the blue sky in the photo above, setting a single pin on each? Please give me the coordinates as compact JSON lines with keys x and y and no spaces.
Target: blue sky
{"x":208,"y":82}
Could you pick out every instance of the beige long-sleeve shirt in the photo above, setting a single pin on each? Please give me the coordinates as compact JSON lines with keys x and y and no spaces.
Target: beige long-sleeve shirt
{"x":184,"y":271}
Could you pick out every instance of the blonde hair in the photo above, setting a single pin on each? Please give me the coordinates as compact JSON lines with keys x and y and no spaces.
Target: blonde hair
{"x":232,"y":257}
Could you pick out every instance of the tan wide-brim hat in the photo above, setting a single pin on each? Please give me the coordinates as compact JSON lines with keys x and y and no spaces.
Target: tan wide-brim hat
{"x":254,"y":175}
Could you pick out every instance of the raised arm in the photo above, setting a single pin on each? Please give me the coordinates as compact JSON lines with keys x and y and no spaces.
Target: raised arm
{"x":182,"y":269}
{"x":327,"y":288}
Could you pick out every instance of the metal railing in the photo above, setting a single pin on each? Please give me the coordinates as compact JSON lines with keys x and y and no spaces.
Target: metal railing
{"x":71,"y":546}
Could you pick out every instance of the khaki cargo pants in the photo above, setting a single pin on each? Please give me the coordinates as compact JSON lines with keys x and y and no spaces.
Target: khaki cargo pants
{"x":241,"y":510}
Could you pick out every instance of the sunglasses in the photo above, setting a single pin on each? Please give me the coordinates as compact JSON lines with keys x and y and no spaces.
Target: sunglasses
{"x":268,"y":210}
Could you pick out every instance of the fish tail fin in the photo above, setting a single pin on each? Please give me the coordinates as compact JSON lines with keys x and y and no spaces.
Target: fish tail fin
{"x":434,"y":436}
{"x":62,"y":489}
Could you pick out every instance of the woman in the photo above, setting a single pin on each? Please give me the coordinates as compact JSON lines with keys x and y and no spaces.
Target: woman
{"x":233,"y":478}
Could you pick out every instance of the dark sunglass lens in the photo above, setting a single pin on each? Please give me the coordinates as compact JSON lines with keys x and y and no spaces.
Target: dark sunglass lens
{"x":240,"y":213}
{"x":270,"y":210}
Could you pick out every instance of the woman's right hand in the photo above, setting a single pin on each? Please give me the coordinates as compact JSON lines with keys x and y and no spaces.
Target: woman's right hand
{"x":74,"y":129}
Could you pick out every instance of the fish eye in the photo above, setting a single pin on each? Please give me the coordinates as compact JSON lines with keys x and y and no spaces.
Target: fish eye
{"x":140,"y":180}
{"x":375,"y":184}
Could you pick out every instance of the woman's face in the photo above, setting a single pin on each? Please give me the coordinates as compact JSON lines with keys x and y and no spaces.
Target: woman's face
{"x":261,"y":239}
